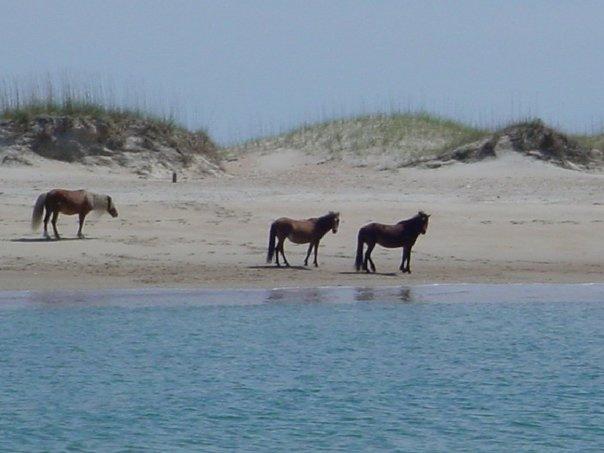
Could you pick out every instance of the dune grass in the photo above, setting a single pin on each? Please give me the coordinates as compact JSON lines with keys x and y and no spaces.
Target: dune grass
{"x":403,"y":136}
{"x":21,"y":100}
{"x":591,"y":141}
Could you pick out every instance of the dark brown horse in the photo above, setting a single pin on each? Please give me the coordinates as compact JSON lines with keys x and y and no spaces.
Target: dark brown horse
{"x":403,"y":234}
{"x":69,"y":202}
{"x":300,"y":232}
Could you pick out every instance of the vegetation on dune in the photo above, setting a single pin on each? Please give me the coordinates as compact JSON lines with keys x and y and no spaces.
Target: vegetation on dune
{"x":407,"y":132}
{"x":26,"y":113}
{"x":23,"y":99}
{"x":392,"y":138}
{"x":402,"y":139}
{"x":72,"y":121}
{"x":84,"y":124}
{"x":591,"y":141}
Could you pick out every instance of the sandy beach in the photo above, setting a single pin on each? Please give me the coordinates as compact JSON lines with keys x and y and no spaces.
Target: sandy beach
{"x":509,"y":220}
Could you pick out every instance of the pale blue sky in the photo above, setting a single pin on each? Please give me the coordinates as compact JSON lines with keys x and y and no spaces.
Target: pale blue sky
{"x":243,"y":68}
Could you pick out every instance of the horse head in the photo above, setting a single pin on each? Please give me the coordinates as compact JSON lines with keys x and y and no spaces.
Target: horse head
{"x":111,"y":207}
{"x":424,"y":219}
{"x":336,"y":222}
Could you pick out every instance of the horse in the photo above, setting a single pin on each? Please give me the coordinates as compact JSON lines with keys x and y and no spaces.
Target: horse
{"x":403,"y":234}
{"x":69,"y":202}
{"x":300,"y":232}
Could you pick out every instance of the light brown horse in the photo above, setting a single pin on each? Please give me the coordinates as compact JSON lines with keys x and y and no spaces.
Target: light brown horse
{"x":300,"y":232}
{"x":69,"y":202}
{"x":403,"y":234}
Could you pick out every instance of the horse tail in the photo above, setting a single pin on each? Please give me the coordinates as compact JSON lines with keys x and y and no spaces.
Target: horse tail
{"x":271,"y":243}
{"x":359,"y":261}
{"x":36,"y":217}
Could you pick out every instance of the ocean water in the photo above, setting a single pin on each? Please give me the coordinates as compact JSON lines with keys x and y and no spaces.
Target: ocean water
{"x":422,"y":368}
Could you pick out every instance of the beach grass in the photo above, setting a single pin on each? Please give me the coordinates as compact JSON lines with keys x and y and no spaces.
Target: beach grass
{"x":405,"y":135}
{"x":595,"y":141}
{"x":386,"y":141}
{"x":399,"y":137}
{"x":22,"y":99}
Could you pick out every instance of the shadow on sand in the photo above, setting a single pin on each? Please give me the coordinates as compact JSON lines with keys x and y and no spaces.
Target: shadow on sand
{"x":382,"y":274}
{"x":268,"y":266}
{"x":49,"y":240}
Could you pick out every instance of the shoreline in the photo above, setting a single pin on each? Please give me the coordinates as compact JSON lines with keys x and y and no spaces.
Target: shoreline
{"x":264,"y":285}
{"x":14,"y":281}
{"x":420,"y":293}
{"x":201,"y":289}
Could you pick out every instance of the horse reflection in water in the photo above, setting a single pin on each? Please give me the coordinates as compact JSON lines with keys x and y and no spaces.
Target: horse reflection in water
{"x":69,"y":202}
{"x":300,"y":296}
{"x":402,"y":294}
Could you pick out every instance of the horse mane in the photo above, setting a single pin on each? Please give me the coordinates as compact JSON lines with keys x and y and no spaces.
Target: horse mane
{"x":99,"y":202}
{"x":327,"y":219}
{"x":417,"y":220}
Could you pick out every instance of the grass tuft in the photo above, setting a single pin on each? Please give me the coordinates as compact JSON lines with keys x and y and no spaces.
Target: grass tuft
{"x":591,"y":141}
{"x":21,"y":100}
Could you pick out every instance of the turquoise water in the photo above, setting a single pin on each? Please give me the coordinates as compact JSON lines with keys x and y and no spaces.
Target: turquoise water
{"x":427,"y":368}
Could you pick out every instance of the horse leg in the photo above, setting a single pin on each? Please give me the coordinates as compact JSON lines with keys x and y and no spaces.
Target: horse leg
{"x":277,"y":253}
{"x":370,"y":246}
{"x":402,"y":268}
{"x":283,"y":252}
{"x":372,"y":264}
{"x":308,"y":254}
{"x":316,"y":251}
{"x":365,"y":268}
{"x":406,"y":259}
{"x":82,"y":217}
{"x":55,"y":216}
{"x":46,"y":219}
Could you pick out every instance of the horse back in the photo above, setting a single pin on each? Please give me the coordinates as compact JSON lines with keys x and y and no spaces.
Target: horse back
{"x":298,"y":231}
{"x":69,"y":201}
{"x":389,"y":236}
